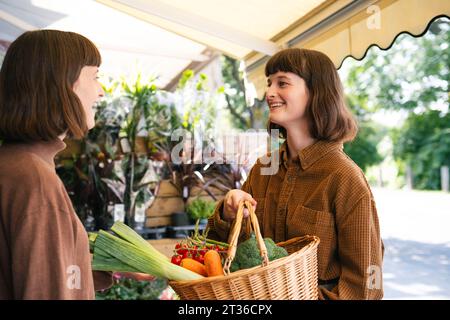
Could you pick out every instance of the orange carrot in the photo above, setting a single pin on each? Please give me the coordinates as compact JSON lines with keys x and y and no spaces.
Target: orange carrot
{"x":213,"y":263}
{"x":194,"y":266}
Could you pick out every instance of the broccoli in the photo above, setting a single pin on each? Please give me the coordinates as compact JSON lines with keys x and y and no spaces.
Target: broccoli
{"x":248,"y":255}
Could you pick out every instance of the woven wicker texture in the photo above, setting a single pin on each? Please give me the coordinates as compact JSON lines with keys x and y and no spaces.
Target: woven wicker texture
{"x":290,"y":278}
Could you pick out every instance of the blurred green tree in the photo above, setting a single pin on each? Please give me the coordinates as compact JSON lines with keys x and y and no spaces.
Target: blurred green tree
{"x":410,"y":78}
{"x":423,"y":143}
{"x":245,"y":114}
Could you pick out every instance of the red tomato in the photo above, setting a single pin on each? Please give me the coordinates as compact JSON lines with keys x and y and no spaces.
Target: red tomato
{"x":181,"y":249}
{"x":199,"y":258}
{"x":176,"y":259}
{"x":186,"y":254}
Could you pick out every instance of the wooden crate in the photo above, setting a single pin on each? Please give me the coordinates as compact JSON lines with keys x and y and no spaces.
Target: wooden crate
{"x":167,"y":201}
{"x":164,"y":246}
{"x":165,"y":206}
{"x":151,"y":222}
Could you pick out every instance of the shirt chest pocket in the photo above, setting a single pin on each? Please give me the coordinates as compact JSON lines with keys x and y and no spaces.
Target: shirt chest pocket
{"x":305,"y":221}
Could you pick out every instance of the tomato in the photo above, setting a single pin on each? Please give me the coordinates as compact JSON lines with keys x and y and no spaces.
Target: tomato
{"x":186,"y":254}
{"x":181,"y":249}
{"x":176,"y":259}
{"x":193,"y":250}
{"x":199,"y":258}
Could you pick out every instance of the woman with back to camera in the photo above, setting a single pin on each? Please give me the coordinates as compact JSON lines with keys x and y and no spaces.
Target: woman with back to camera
{"x":48,"y":87}
{"x":316,"y":188}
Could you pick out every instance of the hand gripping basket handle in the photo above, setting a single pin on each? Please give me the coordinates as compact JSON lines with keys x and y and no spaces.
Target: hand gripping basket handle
{"x":234,"y":236}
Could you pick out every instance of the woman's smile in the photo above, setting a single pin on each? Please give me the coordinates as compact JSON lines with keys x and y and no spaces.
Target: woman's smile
{"x":276,"y":105}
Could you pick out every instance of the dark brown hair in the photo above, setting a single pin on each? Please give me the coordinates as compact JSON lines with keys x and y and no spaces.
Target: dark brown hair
{"x":37,"y":101}
{"x":326,"y":111}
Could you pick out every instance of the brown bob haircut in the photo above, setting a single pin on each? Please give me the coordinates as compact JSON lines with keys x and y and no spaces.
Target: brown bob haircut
{"x":37,"y":101}
{"x":328,"y":116}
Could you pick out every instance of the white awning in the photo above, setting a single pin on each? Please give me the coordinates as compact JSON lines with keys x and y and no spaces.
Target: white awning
{"x":351,"y":29}
{"x":127,"y":44}
{"x":165,"y":36}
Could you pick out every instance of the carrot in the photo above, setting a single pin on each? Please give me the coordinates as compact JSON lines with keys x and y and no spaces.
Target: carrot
{"x":194,"y":266}
{"x":213,"y":263}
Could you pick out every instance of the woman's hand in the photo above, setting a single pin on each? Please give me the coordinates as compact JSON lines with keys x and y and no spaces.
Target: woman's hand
{"x":231,"y":204}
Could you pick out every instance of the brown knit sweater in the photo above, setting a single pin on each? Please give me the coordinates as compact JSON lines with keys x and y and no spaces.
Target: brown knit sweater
{"x":321,"y":192}
{"x":44,"y":248}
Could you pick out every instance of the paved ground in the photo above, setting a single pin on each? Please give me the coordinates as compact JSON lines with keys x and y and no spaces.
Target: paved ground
{"x":415,"y":227}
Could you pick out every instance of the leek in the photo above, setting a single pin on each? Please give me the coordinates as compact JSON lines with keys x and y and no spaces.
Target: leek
{"x":127,"y":251}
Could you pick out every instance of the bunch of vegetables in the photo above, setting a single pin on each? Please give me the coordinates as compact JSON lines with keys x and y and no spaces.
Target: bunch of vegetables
{"x":200,"y":254}
{"x":205,"y":256}
{"x":123,"y":250}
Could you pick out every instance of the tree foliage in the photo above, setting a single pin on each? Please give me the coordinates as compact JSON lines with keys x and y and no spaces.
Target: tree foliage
{"x":423,"y":143}
{"x":412,"y":77}
{"x":243,"y":115}
{"x":363,"y":150}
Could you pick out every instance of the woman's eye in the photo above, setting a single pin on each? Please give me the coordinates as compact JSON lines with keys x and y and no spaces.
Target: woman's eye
{"x":282,"y":83}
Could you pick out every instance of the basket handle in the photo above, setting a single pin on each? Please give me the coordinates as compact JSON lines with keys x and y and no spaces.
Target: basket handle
{"x":234,"y":236}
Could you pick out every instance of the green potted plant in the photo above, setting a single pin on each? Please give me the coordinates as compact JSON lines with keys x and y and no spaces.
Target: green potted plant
{"x":200,"y":210}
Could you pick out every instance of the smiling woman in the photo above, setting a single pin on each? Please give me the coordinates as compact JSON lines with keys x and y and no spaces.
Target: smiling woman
{"x":88,"y":89}
{"x":48,"y":86}
{"x":45,"y":90}
{"x":309,"y":80}
{"x":315,"y":189}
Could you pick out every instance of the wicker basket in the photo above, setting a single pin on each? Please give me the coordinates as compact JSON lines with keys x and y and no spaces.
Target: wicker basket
{"x":290,"y":278}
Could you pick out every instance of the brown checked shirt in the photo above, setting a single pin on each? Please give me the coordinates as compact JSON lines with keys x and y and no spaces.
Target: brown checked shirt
{"x":324,"y":193}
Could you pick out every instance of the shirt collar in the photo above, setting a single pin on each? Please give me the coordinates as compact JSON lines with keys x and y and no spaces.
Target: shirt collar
{"x":45,"y":150}
{"x":308,"y":156}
